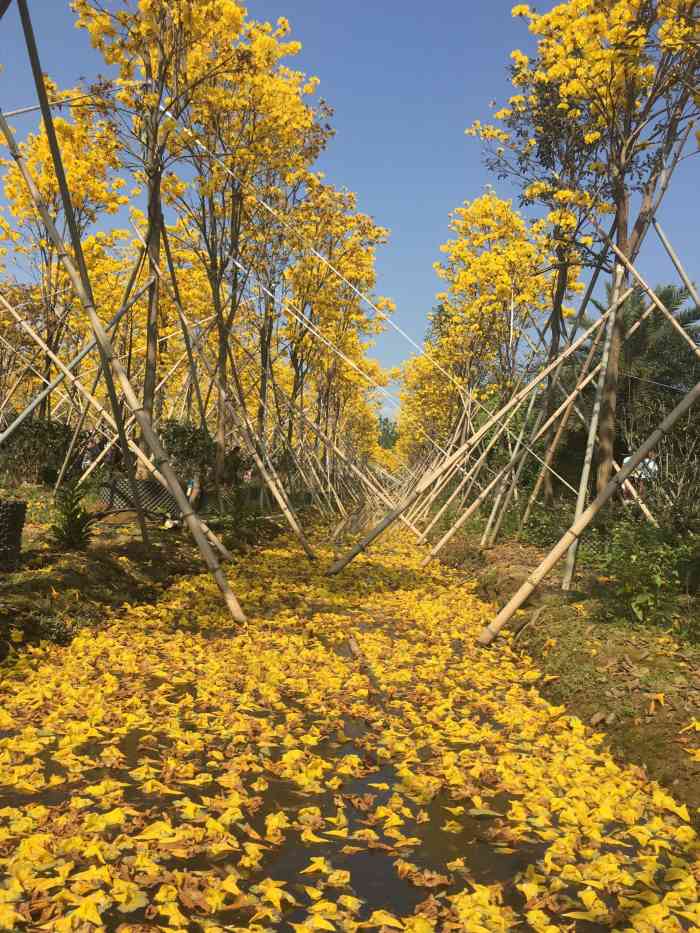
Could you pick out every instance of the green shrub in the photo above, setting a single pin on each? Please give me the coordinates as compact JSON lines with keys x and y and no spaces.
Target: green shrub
{"x":191,"y":449}
{"x":546,"y":524}
{"x":35,"y":451}
{"x":643,"y":572}
{"x":58,"y":630}
{"x":73,"y":525}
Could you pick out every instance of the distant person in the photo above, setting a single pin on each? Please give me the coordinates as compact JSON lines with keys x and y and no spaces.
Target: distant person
{"x":646,"y":473}
{"x":91,"y":454}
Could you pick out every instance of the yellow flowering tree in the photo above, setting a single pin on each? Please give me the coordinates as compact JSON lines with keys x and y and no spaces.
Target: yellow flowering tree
{"x":251,"y":134}
{"x":498,"y":276}
{"x":91,"y":156}
{"x":499,"y":273}
{"x":597,"y":112}
{"x":319,"y":301}
{"x":163,"y":51}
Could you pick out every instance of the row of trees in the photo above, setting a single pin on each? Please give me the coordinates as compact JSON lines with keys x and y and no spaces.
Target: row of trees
{"x":191,"y":172}
{"x":600,"y":111}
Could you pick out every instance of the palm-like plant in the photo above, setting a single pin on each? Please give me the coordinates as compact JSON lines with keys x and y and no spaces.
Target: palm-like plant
{"x":656,"y":351}
{"x":656,"y":363}
{"x":657,"y":368}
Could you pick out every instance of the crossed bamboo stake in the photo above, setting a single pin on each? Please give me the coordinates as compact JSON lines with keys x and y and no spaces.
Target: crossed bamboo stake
{"x":113,"y":368}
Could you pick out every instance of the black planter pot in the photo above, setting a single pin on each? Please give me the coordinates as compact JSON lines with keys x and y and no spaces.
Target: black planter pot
{"x":12,"y":515}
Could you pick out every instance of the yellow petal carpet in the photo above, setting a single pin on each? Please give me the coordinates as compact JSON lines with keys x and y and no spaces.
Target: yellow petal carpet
{"x":349,"y":761}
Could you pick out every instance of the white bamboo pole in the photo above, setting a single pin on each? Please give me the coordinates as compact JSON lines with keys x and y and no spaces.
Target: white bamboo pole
{"x":657,"y":301}
{"x":592,"y":435}
{"x":578,"y":527}
{"x":111,"y":363}
{"x":485,"y":492}
{"x":471,"y":476}
{"x":511,"y":492}
{"x":267,"y":473}
{"x":687,"y":281}
{"x":427,"y":480}
{"x":79,"y":427}
{"x":562,"y":425}
{"x":486,"y":536}
{"x":106,"y":417}
{"x":418,"y":512}
{"x":629,"y":487}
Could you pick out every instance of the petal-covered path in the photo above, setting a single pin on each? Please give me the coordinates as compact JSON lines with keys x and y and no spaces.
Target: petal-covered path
{"x":350,"y":761}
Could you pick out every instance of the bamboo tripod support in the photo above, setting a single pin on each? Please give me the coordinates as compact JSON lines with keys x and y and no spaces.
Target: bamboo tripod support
{"x":579,"y":526}
{"x":111,"y":364}
{"x":572,"y":536}
{"x":592,"y":435}
{"x":426,"y":481}
{"x":267,"y":472}
{"x":107,"y":418}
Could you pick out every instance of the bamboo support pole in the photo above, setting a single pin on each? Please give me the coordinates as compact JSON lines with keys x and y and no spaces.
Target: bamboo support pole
{"x":319,"y":493}
{"x":30,"y":366}
{"x":418,"y":512}
{"x":184,"y":326}
{"x":339,"y":529}
{"x":107,"y":418}
{"x":328,"y":489}
{"x":79,"y":427}
{"x":486,"y":536}
{"x":15,"y":385}
{"x":111,"y":364}
{"x":73,"y":364}
{"x":592,"y":436}
{"x":484,"y":494}
{"x":628,"y":486}
{"x":643,"y":507}
{"x":76,"y":434}
{"x":130,"y":422}
{"x":432,"y":463}
{"x":561,"y":427}
{"x":562,"y":424}
{"x":511,"y":491}
{"x":656,"y":300}
{"x":579,"y":526}
{"x":426,"y":481}
{"x":75,"y":267}
{"x":319,"y":433}
{"x":268,"y":474}
{"x":470,"y":477}
{"x":687,"y":281}
{"x":421,"y":511}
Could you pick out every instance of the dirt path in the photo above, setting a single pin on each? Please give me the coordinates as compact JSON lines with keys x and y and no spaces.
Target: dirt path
{"x":350,"y":761}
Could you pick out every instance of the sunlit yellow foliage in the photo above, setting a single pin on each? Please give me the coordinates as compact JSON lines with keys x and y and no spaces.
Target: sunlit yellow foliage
{"x":91,"y":158}
{"x":499,"y":275}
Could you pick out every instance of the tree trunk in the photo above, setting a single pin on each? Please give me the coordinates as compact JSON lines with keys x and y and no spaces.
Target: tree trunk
{"x":151,"y":368}
{"x":608,"y":411}
{"x":555,"y":328}
{"x":265,"y":344}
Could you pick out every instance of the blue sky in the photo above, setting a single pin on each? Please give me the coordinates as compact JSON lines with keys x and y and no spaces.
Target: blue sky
{"x":405,"y":79}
